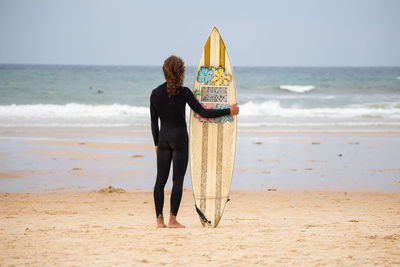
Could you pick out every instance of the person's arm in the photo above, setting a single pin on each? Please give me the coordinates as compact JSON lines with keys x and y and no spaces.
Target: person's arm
{"x":199,"y":109}
{"x":154,"y":123}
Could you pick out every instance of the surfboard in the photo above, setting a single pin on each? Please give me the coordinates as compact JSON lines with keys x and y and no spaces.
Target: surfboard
{"x":213,"y":141}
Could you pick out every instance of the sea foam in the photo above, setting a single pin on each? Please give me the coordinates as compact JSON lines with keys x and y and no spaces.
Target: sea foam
{"x":297,"y":88}
{"x":118,"y":115}
{"x":73,"y":115}
{"x":274,"y":109}
{"x":120,"y":112}
{"x":71,"y":110}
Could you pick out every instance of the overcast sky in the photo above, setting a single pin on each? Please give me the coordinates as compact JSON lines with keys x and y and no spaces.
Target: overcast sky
{"x":256,"y":33}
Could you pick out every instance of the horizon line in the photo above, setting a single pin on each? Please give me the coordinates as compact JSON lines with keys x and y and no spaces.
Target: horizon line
{"x":246,"y":66}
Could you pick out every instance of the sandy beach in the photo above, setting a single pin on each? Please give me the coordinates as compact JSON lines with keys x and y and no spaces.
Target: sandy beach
{"x":310,"y":198}
{"x":259,"y":227}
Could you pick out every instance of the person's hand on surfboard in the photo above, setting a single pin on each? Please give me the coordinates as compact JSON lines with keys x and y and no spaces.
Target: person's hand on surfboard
{"x":234,"y":109}
{"x":156,"y":149}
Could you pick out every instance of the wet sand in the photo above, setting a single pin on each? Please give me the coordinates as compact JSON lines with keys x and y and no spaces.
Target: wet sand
{"x":258,"y":227}
{"x":62,"y":159}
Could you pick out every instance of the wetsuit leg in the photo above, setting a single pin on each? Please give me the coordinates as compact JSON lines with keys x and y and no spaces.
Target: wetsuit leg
{"x":180,"y":160}
{"x":164,"y":156}
{"x":172,"y":145}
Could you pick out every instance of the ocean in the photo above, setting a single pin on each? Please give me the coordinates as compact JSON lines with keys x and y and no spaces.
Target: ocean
{"x":269,"y":97}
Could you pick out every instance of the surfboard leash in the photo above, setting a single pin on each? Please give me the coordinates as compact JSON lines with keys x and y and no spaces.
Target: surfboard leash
{"x":203,"y":218}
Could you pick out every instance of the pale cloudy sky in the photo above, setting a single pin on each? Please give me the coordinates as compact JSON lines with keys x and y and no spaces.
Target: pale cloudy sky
{"x":256,"y":33}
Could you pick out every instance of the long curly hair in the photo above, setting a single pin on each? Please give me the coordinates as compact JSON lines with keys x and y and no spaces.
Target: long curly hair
{"x":174,"y":73}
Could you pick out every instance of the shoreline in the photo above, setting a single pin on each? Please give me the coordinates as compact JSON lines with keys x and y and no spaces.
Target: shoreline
{"x":137,"y":131}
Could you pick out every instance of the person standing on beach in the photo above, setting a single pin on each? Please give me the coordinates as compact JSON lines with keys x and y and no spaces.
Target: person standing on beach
{"x":167,"y":103}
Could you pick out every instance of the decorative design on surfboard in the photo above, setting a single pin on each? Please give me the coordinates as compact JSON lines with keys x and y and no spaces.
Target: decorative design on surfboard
{"x":205,"y":75}
{"x":220,"y":78}
{"x":222,"y":119}
{"x":214,"y":76}
{"x":212,"y":94}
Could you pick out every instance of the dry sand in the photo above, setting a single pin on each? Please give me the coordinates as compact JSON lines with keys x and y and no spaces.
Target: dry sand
{"x":258,"y":227}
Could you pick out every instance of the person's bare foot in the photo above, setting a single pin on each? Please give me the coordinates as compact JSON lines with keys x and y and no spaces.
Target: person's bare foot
{"x":160,"y":223}
{"x":173,"y":223}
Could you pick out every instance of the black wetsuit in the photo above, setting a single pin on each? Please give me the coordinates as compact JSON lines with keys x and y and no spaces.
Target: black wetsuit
{"x":172,"y":140}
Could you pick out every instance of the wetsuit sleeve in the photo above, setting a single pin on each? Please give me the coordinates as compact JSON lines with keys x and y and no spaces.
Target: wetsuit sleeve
{"x":154,"y":122}
{"x":205,"y":113}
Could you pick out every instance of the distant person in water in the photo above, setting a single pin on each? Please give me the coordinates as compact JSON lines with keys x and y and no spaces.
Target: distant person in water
{"x":167,"y":103}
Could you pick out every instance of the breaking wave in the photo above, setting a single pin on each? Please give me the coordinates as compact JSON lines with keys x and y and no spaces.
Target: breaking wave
{"x":118,"y":115}
{"x":274,"y":109}
{"x":297,"y":88}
